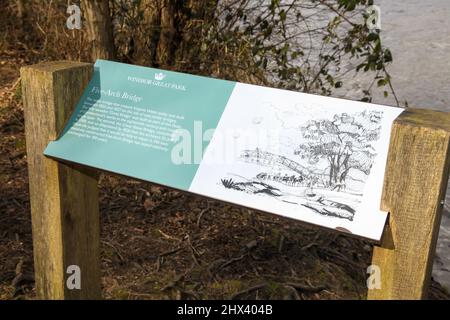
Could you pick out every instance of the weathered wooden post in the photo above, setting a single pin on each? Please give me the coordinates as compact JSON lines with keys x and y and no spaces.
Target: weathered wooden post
{"x":414,"y":188}
{"x":64,"y":198}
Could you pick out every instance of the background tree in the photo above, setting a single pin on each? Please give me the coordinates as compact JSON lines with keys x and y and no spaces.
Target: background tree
{"x":20,"y":11}
{"x":312,"y":46}
{"x":100,"y":29}
{"x":165,"y":28}
{"x":291,"y":44}
{"x":344,"y":142}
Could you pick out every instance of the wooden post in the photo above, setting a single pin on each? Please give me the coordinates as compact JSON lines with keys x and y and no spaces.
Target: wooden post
{"x":64,"y":198}
{"x":415,"y":183}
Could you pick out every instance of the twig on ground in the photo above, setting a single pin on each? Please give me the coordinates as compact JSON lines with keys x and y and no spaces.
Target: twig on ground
{"x":280,"y":244}
{"x":193,"y":251}
{"x":167,"y":236}
{"x":115,"y":249}
{"x":306,"y":288}
{"x":248,"y":290}
{"x":165,"y":254}
{"x":13,"y":89}
{"x":172,"y":284}
{"x":200,"y":215}
{"x":308,"y":246}
{"x":293,"y":292}
{"x":232,"y":260}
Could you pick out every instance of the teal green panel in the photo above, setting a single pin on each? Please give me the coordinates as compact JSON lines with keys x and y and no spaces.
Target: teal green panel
{"x":193,"y":98}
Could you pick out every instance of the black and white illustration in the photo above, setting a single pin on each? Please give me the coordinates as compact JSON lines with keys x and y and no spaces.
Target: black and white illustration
{"x":308,"y":157}
{"x":324,"y":172}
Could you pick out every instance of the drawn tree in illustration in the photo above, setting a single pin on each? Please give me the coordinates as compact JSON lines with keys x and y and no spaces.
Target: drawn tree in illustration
{"x":344,"y":142}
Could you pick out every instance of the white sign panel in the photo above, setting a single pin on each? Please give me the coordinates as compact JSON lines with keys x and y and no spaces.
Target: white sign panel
{"x":317,"y":159}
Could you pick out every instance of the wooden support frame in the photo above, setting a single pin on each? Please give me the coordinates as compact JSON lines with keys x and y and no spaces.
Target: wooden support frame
{"x":64,"y":198}
{"x":414,"y":189}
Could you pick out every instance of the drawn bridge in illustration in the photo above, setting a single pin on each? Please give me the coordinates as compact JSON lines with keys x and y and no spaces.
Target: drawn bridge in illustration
{"x":265,"y":158}
{"x":315,"y":202}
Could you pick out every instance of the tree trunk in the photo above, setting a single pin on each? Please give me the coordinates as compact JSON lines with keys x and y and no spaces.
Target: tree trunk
{"x":167,"y":29}
{"x":99,"y":28}
{"x":146,"y":39}
{"x":165,"y":51}
{"x":20,"y":12}
{"x":20,"y":9}
{"x":156,"y":44}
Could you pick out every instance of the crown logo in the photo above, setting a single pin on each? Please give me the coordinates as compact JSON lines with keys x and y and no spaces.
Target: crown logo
{"x":159,"y":76}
